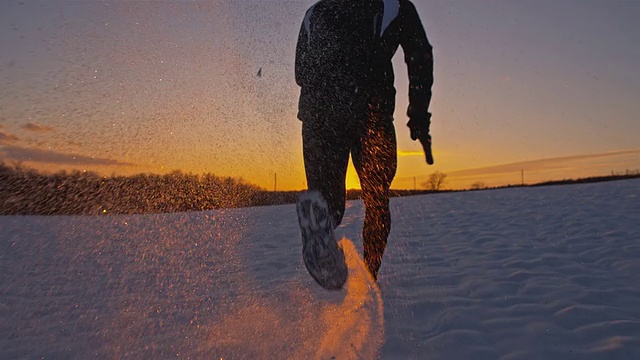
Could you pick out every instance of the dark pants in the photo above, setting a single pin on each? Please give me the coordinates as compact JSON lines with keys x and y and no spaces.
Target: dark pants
{"x":327,"y":144}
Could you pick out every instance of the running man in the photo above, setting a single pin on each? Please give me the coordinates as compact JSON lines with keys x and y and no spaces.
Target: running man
{"x":347,"y":100}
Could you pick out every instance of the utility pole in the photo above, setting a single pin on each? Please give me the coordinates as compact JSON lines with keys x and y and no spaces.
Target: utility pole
{"x":522,"y":176}
{"x":275,"y":181}
{"x":414,"y":184}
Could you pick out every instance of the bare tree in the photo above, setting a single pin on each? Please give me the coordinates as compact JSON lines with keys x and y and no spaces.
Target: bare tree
{"x":478,"y":185}
{"x":435,"y":182}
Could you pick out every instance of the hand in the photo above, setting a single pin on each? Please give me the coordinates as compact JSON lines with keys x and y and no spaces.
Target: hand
{"x":419,"y":128}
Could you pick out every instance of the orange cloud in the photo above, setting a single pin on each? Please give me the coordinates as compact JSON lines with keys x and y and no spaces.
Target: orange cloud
{"x":39,"y":128}
{"x":6,"y":138}
{"x":17,"y":153}
{"x":564,"y":162}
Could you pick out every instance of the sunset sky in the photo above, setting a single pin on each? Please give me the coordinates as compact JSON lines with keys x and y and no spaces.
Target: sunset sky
{"x":551,"y":88}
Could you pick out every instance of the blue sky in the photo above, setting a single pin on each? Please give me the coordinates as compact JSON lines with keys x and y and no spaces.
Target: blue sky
{"x":132,"y":87}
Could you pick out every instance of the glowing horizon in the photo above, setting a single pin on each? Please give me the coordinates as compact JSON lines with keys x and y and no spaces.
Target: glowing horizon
{"x":529,"y":171}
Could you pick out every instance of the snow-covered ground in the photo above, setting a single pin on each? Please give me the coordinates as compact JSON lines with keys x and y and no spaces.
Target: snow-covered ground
{"x":522,"y":273}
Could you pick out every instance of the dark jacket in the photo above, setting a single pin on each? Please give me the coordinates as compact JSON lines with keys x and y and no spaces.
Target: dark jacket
{"x":343,"y":58}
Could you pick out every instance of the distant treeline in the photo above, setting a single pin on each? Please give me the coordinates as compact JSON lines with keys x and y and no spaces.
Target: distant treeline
{"x":28,"y":192}
{"x":593,"y":179}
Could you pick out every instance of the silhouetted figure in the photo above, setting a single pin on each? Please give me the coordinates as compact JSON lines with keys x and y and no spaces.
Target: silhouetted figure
{"x":347,"y":100}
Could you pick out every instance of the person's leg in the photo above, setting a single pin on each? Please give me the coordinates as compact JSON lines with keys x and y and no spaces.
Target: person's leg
{"x":375,"y":159}
{"x":326,"y":156}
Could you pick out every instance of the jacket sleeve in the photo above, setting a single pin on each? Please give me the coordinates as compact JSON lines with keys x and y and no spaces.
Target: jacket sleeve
{"x":301,"y":64}
{"x":418,"y":55}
